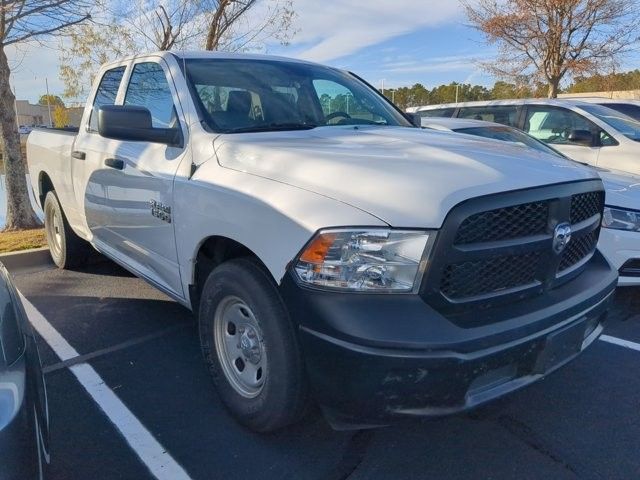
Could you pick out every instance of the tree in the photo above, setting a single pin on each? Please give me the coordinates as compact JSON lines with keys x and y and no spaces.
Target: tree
{"x":60,"y":116}
{"x":20,"y":21}
{"x":52,"y":100}
{"x":607,"y":83}
{"x":227,"y":28}
{"x":549,"y":40}
{"x":122,"y":28}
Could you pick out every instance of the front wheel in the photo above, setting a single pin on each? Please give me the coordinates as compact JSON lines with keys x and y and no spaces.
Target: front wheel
{"x":250,"y":347}
{"x":67,"y":249}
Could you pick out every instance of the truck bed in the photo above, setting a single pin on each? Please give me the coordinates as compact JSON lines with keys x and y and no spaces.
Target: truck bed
{"x":49,"y":150}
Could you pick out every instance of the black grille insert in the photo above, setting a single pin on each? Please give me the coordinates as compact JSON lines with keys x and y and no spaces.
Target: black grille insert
{"x":578,"y":249}
{"x":585,"y":206}
{"x":504,"y":223}
{"x":483,"y":277}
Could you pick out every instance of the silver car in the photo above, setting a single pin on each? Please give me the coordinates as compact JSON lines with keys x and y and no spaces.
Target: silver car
{"x":24,"y":418}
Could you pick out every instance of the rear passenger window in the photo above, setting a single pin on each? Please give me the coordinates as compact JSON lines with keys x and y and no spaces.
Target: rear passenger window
{"x":437,"y":112}
{"x":504,"y":114}
{"x":106,"y":94}
{"x":149,"y":88}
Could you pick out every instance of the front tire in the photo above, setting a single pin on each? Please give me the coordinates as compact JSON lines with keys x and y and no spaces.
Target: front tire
{"x":67,"y":249}
{"x":250,"y":347}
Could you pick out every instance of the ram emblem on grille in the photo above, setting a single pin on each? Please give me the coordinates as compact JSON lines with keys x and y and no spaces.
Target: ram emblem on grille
{"x":561,"y":237}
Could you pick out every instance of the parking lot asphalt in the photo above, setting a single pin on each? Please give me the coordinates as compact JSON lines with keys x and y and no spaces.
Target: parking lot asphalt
{"x":581,"y":422}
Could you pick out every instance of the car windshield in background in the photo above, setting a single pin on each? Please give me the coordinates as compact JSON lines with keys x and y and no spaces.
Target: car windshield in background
{"x":626,"y":125}
{"x":507,"y":134}
{"x":264,"y":95}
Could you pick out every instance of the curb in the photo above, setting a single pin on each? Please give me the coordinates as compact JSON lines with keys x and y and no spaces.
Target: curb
{"x":36,"y":258}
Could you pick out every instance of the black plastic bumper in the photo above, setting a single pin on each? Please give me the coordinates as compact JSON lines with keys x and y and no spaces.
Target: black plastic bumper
{"x":373,"y":358}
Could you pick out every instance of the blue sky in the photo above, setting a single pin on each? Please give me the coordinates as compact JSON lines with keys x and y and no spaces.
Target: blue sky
{"x":401,"y":42}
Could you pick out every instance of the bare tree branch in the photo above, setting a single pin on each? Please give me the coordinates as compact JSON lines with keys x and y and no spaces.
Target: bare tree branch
{"x":20,"y":21}
{"x":554,"y":39}
{"x":128,"y":27}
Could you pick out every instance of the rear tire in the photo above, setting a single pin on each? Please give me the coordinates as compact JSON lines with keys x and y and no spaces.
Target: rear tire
{"x":250,"y":347}
{"x":67,"y":249}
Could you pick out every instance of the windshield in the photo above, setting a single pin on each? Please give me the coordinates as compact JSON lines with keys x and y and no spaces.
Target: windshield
{"x":507,"y":134}
{"x":240,"y":95}
{"x":626,"y":125}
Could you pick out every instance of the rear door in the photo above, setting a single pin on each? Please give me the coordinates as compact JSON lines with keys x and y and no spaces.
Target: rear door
{"x":140,"y":193}
{"x":89,"y":175}
{"x":553,"y":125}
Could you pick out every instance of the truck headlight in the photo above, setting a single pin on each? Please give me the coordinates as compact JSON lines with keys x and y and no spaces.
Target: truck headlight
{"x":621,"y":219}
{"x":366,"y":260}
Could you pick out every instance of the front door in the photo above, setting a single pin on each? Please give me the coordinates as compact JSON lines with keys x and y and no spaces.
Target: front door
{"x":141,"y":195}
{"x":553,"y":125}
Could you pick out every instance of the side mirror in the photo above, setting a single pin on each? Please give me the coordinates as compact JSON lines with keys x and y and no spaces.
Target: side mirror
{"x":581,"y":137}
{"x":130,"y":123}
{"x":415,"y":119}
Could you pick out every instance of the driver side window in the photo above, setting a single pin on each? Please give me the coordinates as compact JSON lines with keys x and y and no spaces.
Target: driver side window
{"x":149,"y":88}
{"x":553,"y":125}
{"x":339,"y":104}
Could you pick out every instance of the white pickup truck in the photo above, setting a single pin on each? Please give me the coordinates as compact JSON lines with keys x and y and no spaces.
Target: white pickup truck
{"x":329,"y":248}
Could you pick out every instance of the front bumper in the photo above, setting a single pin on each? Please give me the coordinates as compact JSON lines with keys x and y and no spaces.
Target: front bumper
{"x":375,"y":358}
{"x":619,"y":247}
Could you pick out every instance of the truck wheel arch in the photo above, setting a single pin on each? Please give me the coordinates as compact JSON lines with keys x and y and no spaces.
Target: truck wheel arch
{"x":45,"y":185}
{"x":212,"y":252}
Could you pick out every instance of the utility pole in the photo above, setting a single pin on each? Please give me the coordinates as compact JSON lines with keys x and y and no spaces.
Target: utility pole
{"x":46,"y":81}
{"x":382,"y":87}
{"x":457,"y":88}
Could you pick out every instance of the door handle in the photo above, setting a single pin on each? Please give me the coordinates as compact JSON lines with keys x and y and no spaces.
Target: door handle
{"x":116,"y":163}
{"x":78,"y":155}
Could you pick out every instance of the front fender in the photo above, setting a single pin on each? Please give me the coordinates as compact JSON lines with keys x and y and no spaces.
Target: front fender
{"x":272,"y":219}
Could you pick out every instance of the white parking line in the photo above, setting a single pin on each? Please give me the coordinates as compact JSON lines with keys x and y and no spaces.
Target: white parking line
{"x":620,"y":342}
{"x":146,"y":447}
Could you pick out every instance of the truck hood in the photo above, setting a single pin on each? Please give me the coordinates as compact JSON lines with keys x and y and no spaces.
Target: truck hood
{"x":622,"y":188}
{"x":404,"y":176}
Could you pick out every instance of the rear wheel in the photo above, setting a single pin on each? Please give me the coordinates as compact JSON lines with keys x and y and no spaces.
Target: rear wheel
{"x":250,"y":347}
{"x":67,"y":249}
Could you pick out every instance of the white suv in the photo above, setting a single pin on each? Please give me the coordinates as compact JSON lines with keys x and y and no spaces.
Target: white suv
{"x":586,"y":132}
{"x":629,"y":107}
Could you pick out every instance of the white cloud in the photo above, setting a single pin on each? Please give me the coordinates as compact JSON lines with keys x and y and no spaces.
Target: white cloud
{"x":332,"y":29}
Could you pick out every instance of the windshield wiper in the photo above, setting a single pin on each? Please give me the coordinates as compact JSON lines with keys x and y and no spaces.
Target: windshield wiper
{"x":273,"y":127}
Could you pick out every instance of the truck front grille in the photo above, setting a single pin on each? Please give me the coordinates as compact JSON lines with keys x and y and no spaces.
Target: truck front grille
{"x":500,"y":248}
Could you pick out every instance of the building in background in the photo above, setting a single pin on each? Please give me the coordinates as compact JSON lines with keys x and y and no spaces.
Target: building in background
{"x":31,"y":115}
